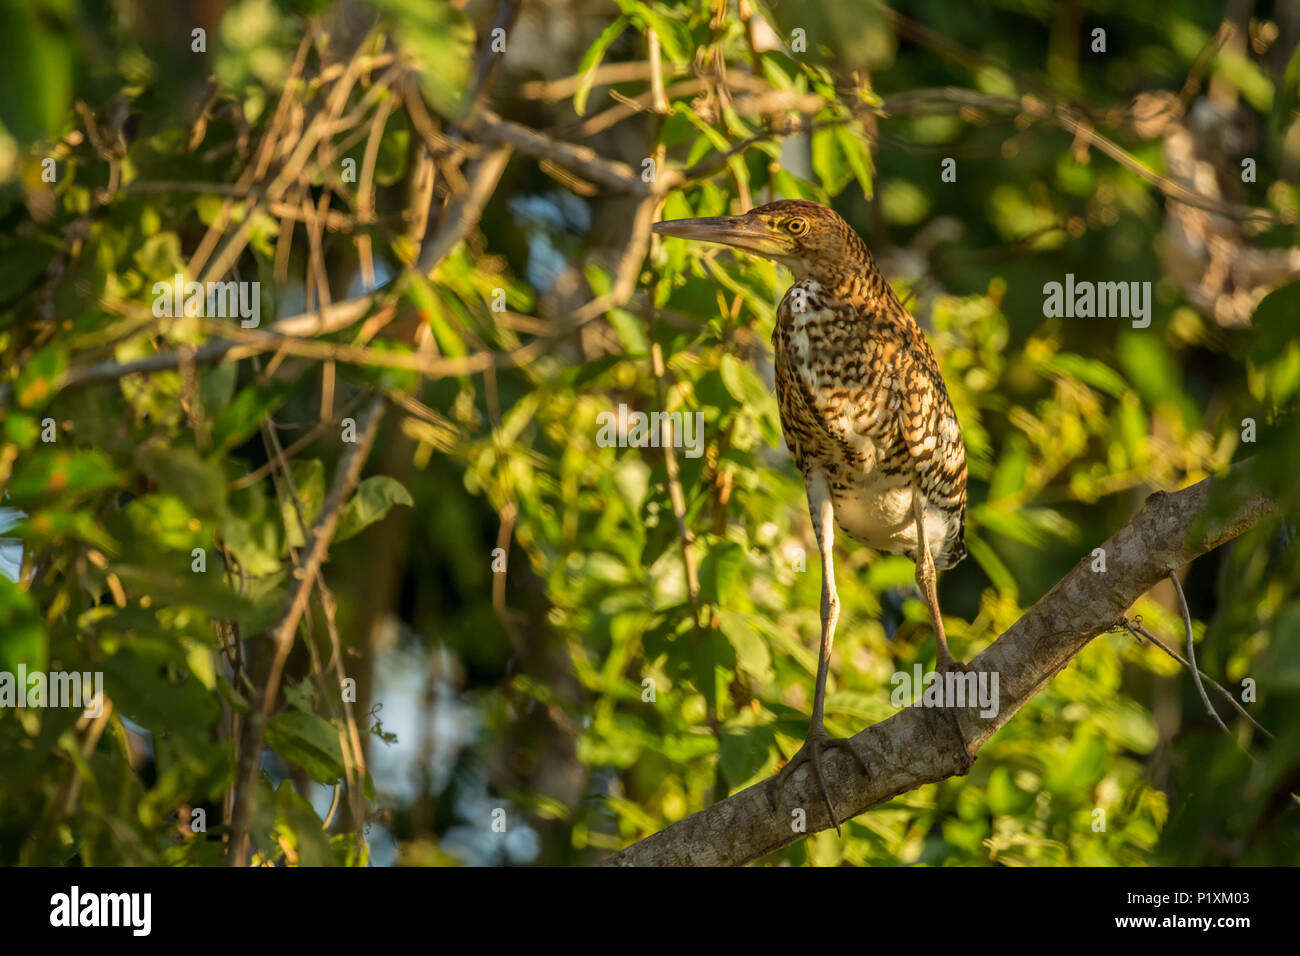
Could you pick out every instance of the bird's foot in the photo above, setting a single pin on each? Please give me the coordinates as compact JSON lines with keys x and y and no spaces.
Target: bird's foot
{"x":810,"y":753}
{"x":946,"y":663}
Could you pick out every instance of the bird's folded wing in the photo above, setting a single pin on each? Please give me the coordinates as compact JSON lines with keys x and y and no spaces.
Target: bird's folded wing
{"x":852,"y":393}
{"x":929,"y":429}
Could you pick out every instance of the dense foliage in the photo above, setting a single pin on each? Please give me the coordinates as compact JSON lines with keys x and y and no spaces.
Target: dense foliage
{"x":599,"y":638}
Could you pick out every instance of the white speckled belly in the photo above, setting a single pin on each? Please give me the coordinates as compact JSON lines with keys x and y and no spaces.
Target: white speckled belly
{"x":880,"y":516}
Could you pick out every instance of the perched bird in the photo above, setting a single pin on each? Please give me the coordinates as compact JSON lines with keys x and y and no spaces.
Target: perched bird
{"x":864,"y":410}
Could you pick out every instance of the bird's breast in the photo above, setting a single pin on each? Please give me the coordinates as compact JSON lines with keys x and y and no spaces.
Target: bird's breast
{"x":837,"y":408}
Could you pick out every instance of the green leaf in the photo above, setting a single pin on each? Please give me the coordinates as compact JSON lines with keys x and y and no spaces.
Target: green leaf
{"x":631,"y":329}
{"x":1288,"y":96}
{"x":372,"y":501}
{"x":828,"y":160}
{"x":309,"y":481}
{"x":432,"y":307}
{"x":713,"y":665}
{"x":591,"y":59}
{"x":47,"y":472}
{"x":23,"y":640}
{"x":250,"y":532}
{"x":742,"y":753}
{"x":391,"y":164}
{"x":1016,"y":525}
{"x":1009,"y":477}
{"x":903,"y":203}
{"x":752,"y":655}
{"x":163,"y":522}
{"x":1274,"y":351}
{"x":21,"y":429}
{"x":441,"y":40}
{"x":852,"y":141}
{"x":715,"y":139}
{"x":744,"y":385}
{"x":665,"y":30}
{"x":38,"y":65}
{"x":233,"y":697}
{"x":993,"y":566}
{"x":1091,"y":371}
{"x":1154,"y":373}
{"x":309,"y":741}
{"x":140,"y":686}
{"x":217,"y":386}
{"x":719,"y":571}
{"x":299,"y":826}
{"x":243,"y":416}
{"x":1081,"y":766}
{"x":1004,"y":797}
{"x":40,"y":377}
{"x":179,"y":471}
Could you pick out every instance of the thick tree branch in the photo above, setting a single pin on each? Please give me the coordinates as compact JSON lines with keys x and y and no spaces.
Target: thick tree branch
{"x":919,"y":745}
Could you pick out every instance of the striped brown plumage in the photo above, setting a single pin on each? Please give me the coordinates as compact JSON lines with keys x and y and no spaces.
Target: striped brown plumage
{"x":862,"y":399}
{"x":866,"y":415}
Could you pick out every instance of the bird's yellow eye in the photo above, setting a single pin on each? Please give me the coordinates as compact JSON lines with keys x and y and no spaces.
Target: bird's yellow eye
{"x":797,"y":227}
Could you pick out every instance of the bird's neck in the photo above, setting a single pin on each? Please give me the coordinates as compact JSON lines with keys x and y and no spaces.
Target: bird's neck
{"x":856,"y":282}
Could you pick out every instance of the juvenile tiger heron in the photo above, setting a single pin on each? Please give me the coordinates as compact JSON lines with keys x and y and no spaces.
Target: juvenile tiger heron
{"x":864,"y":411}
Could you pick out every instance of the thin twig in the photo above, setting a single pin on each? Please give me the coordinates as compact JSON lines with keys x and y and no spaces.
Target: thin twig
{"x":1139,"y":632}
{"x":583,"y":160}
{"x":354,"y":764}
{"x":1191,"y":655}
{"x":253,"y":477}
{"x":656,"y":73}
{"x":322,"y":533}
{"x":606,"y":74}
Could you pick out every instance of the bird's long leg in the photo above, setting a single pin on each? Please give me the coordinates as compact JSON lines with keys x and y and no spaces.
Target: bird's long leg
{"x":823,"y":519}
{"x":823,"y":515}
{"x":926,"y":578}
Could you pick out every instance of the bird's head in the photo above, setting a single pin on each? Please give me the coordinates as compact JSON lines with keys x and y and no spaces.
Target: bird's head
{"x":807,"y":237}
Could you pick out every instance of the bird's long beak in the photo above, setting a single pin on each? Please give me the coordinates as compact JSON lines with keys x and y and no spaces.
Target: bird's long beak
{"x":742,"y":232}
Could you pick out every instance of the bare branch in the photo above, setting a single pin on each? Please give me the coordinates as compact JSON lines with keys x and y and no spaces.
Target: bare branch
{"x":1140,"y":632}
{"x":604,"y":75}
{"x":322,"y":533}
{"x":1191,"y":655}
{"x":583,"y":160}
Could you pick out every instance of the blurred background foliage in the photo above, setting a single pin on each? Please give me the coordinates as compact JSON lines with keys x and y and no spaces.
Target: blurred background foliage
{"x":602,"y":686}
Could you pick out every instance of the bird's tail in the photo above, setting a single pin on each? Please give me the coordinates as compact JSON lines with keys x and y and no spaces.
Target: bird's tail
{"x":954,"y":548}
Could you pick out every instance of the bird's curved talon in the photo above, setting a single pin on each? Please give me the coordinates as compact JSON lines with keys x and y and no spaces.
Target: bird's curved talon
{"x":942,"y":667}
{"x":810,"y":753}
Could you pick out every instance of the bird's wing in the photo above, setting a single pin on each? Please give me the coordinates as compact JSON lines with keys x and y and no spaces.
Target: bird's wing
{"x":842,"y":385}
{"x":929,"y":429}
